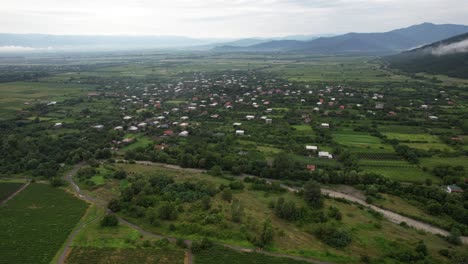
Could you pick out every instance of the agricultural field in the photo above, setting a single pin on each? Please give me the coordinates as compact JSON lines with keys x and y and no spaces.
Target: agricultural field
{"x":8,"y":188}
{"x":14,"y":95}
{"x":36,"y":222}
{"x":87,"y":255}
{"x":220,"y":254}
{"x":221,"y":133}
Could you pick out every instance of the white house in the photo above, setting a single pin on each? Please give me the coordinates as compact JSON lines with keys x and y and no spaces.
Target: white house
{"x":240,"y":132}
{"x":58,"y":125}
{"x":325,"y":125}
{"x":433,"y":118}
{"x":250,"y":117}
{"x":133,"y":128}
{"x":127,"y":118}
{"x":98,"y":127}
{"x":237,"y":124}
{"x":312,"y":148}
{"x":118,"y":128}
{"x":325,"y":154}
{"x":183,"y":134}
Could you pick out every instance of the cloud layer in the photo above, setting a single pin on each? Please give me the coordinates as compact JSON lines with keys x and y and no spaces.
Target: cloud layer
{"x":223,"y":18}
{"x":457,"y":47}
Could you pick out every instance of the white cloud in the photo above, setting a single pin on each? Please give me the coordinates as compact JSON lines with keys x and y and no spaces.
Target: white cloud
{"x":223,"y":18}
{"x":19,"y":49}
{"x":457,"y":47}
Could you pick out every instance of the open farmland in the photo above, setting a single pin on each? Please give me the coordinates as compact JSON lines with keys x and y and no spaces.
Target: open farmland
{"x":225,"y":255}
{"x":88,"y":255}
{"x":36,"y":222}
{"x":8,"y":188}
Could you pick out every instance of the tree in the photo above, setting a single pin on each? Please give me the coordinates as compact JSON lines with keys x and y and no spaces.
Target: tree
{"x":167,"y":211}
{"x":109,"y":220}
{"x":421,"y":248}
{"x":266,"y":236}
{"x":120,"y":174}
{"x":454,"y":237}
{"x":313,"y":194}
{"x":215,"y":171}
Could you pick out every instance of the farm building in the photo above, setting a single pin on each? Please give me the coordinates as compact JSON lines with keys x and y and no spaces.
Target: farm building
{"x":240,"y":132}
{"x":250,"y":117}
{"x":325,"y":125}
{"x":118,"y":128}
{"x":454,"y":189}
{"x":133,"y":129}
{"x":268,"y":120}
{"x":325,"y":154}
{"x":312,"y":148}
{"x":237,"y":124}
{"x":311,"y":167}
{"x":433,"y":118}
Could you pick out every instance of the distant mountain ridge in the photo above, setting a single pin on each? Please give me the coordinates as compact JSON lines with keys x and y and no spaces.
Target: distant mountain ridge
{"x":447,"y":57}
{"x":38,"y":42}
{"x":386,"y":42}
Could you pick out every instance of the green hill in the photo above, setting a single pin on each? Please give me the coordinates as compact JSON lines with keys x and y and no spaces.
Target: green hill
{"x":448,"y":57}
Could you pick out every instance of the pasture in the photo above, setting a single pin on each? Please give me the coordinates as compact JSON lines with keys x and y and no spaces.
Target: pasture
{"x":36,"y":222}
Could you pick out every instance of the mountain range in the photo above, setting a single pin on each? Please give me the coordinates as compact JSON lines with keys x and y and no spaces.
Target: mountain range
{"x":351,"y":43}
{"x":447,"y":57}
{"x":365,"y":43}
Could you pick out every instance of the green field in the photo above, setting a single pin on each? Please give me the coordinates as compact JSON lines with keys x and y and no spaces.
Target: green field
{"x":87,"y":255}
{"x":7,"y":188}
{"x":35,"y":224}
{"x":412,"y":137}
{"x":13,"y":95}
{"x":220,"y":254}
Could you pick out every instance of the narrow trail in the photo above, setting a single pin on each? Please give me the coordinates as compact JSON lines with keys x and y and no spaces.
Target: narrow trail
{"x":188,"y":254}
{"x":15,"y":193}
{"x":389,"y":215}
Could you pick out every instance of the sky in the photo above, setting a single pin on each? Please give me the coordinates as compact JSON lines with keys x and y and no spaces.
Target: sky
{"x":223,"y":18}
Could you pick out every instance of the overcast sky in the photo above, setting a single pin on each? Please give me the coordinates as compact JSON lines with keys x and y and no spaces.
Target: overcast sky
{"x":223,"y":18}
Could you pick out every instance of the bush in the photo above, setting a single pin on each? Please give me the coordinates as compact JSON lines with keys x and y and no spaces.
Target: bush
{"x":167,"y":211}
{"x":181,"y":243}
{"x":57,"y":182}
{"x":202,"y":245}
{"x":332,"y":236}
{"x":109,"y":220}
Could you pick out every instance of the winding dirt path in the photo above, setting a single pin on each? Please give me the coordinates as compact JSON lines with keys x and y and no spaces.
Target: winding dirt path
{"x":16,"y":192}
{"x":188,"y":257}
{"x":389,"y":215}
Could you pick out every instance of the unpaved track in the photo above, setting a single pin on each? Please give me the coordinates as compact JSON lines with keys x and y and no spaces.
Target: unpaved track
{"x":389,"y":215}
{"x":189,"y":255}
{"x":15,"y":193}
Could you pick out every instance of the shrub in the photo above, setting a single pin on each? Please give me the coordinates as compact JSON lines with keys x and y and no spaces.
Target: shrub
{"x":109,"y":220}
{"x":332,"y":236}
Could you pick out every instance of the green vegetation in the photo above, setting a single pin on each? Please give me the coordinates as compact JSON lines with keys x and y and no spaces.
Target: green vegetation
{"x":38,"y":214}
{"x":220,"y":254}
{"x":8,"y":188}
{"x":87,"y":255}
